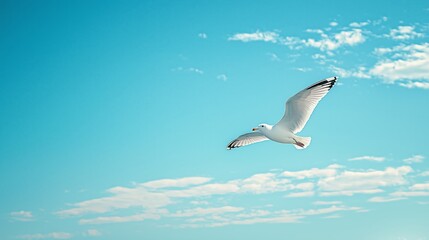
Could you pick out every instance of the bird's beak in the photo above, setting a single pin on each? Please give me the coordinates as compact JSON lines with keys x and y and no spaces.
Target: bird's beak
{"x":254,"y":129}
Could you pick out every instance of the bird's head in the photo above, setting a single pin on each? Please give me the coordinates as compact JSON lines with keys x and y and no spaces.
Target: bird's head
{"x":262,"y":127}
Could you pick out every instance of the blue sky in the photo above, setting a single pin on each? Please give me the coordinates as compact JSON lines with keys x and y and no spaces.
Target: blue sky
{"x":116,"y":116}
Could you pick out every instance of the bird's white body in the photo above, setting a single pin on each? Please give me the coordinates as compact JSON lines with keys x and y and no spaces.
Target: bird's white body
{"x":298,"y":111}
{"x":277,"y":134}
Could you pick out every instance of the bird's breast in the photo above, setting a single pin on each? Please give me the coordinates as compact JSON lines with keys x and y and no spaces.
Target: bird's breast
{"x":280,"y":135}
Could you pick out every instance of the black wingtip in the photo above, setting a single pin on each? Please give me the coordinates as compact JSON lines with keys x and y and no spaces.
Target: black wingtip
{"x":232,"y":145}
{"x":328,"y":82}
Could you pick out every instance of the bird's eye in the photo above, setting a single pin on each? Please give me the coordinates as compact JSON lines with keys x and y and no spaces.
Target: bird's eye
{"x":262,"y":126}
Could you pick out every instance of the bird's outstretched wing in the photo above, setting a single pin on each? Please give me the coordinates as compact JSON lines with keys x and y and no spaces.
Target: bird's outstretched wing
{"x":300,"y":107}
{"x":246,"y":139}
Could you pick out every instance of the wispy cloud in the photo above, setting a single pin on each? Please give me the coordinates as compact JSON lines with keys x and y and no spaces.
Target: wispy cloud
{"x":52,"y":235}
{"x":409,"y":63}
{"x":325,"y":42}
{"x":300,"y":194}
{"x":122,"y":198}
{"x":352,"y":182}
{"x":385,"y":199}
{"x":404,"y":33}
{"x":416,"y":190}
{"x":303,"y":69}
{"x":415,"y":84}
{"x":327,"y":202}
{"x":24,"y":216}
{"x":368,"y":158}
{"x":189,"y":69}
{"x":360,"y":72}
{"x":263,"y":216}
{"x":256,"y":36}
{"x":206,"y":211}
{"x":414,"y":159}
{"x":202,"y":35}
{"x":331,"y":170}
{"x":420,"y":187}
{"x":151,"y":214}
{"x":343,"y":38}
{"x":222,"y":77}
{"x":92,"y":233}
{"x":168,"y":198}
{"x":359,"y":24}
{"x":411,"y":193}
{"x":181,"y":182}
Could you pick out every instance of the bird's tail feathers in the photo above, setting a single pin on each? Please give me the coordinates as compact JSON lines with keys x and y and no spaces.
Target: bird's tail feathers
{"x":304,"y":140}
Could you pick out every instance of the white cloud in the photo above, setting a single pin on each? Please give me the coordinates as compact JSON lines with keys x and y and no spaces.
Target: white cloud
{"x":303,"y":69}
{"x":154,"y":214}
{"x":350,"y":182}
{"x":368,"y":158}
{"x":327,"y":210}
{"x":151,"y":200}
{"x":333,"y":24}
{"x":204,"y":190}
{"x":351,"y":38}
{"x":318,"y":56}
{"x":420,"y":187}
{"x":256,"y":36}
{"x":379,"y":21}
{"x":24,"y":216}
{"x":202,"y":35}
{"x":190,"y":69}
{"x":291,"y":42}
{"x":407,"y":62}
{"x":350,"y":192}
{"x":414,"y":159}
{"x":92,"y":233}
{"x":385,"y":199}
{"x":122,"y":198}
{"x":424,"y":174}
{"x":281,"y":218}
{"x":410,"y":194}
{"x":254,"y":213}
{"x":196,"y":70}
{"x":415,"y":84}
{"x":222,"y":77}
{"x":300,"y":194}
{"x":404,"y":33}
{"x":359,"y":24}
{"x":196,"y":202}
{"x":180,"y":182}
{"x":53,"y":235}
{"x":327,"y":202}
{"x":206,"y":211}
{"x":263,"y":216}
{"x":312,"y":173}
{"x":416,"y":190}
{"x":332,"y":216}
{"x":263,"y":183}
{"x":361,"y":72}
{"x":304,"y":186}
{"x":326,"y":43}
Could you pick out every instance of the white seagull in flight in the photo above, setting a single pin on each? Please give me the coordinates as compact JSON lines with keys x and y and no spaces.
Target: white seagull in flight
{"x":298,"y":111}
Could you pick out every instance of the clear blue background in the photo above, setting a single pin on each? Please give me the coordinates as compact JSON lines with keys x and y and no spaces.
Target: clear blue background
{"x":92,"y":97}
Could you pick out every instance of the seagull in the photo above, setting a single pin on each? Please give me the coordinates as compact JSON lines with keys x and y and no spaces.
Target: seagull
{"x":298,"y":110}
